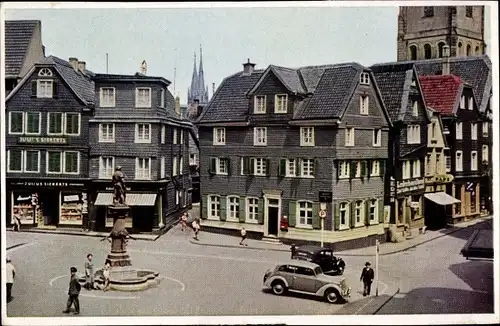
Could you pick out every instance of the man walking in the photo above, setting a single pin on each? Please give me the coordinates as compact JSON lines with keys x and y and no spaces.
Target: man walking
{"x":367,"y":276}
{"x":11,"y":274}
{"x":89,"y":273}
{"x":73,"y":292}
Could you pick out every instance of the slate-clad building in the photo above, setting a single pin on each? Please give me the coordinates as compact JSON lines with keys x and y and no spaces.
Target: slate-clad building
{"x":271,"y":139}
{"x":135,"y":126}
{"x":47,"y":144}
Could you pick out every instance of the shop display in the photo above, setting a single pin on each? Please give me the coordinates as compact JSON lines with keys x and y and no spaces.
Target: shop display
{"x":71,"y":210}
{"x":22,"y":208}
{"x":109,"y":221}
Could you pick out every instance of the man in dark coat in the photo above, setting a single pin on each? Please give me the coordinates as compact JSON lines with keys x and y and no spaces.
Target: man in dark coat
{"x":367,"y":276}
{"x":73,"y":292}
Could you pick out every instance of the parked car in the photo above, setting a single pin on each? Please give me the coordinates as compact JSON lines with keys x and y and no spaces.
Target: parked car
{"x":308,"y":278}
{"x":324,"y":257}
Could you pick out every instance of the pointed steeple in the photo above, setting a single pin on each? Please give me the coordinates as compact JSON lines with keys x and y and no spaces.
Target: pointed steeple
{"x":193,"y":90}
{"x":201,"y":79}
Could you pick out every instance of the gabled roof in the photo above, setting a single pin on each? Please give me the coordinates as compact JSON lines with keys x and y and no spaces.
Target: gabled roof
{"x":287,"y":76}
{"x":136,"y":77}
{"x":82,"y":85}
{"x":18,"y":35}
{"x":442,"y":92}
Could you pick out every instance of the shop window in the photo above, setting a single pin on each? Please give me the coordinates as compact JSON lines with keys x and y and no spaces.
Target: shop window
{"x":473,"y":198}
{"x":458,"y":195}
{"x":72,"y":162}
{"x":71,"y":208}
{"x":401,"y":207}
{"x":22,"y":207}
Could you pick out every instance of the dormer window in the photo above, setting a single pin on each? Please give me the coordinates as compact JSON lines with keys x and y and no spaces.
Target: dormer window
{"x":162,"y":98}
{"x":45,"y":72}
{"x":280,"y":103}
{"x":462,"y":102}
{"x":364,"y":105}
{"x":143,"y":97}
{"x":415,"y":109}
{"x":107,"y":97}
{"x":259,"y":104}
{"x":364,"y":79}
{"x":43,"y":88}
{"x":471,"y":103}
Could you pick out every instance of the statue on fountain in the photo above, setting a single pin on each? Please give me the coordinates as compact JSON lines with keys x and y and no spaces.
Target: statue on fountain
{"x":118,"y":179}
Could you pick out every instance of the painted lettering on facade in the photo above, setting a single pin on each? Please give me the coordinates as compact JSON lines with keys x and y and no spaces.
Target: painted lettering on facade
{"x":43,"y":140}
{"x":410,"y":185}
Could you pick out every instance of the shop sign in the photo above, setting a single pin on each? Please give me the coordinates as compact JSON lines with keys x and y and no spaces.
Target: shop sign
{"x":411,"y":185}
{"x":71,"y":198}
{"x":46,"y":184}
{"x":111,"y":188}
{"x":43,"y":140}
{"x":439,"y":178}
{"x":392,"y":192}
{"x":325,"y":196}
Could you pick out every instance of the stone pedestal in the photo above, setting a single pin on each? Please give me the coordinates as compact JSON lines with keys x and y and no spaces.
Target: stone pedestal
{"x":118,"y":255}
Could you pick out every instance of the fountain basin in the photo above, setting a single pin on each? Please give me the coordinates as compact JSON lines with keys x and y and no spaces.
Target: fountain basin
{"x":128,"y":280}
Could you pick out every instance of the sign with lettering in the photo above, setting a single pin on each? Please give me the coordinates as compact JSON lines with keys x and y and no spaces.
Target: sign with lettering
{"x":439,"y":178}
{"x":411,"y":185}
{"x":46,"y":184}
{"x":42,"y":140}
{"x":325,"y":196}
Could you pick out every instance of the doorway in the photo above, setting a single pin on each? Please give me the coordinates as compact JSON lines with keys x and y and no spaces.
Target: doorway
{"x":272,"y":216}
{"x":49,"y":207}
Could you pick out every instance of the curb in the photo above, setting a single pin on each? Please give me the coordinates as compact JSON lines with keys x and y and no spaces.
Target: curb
{"x":15,"y":246}
{"x":78,"y":234}
{"x":237,"y":247}
{"x":386,"y":301}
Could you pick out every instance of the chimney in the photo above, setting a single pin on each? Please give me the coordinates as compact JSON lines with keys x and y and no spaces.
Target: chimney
{"x":74,"y":63}
{"x":81,"y":66}
{"x":178,"y":105}
{"x":446,"y":60}
{"x":144,"y":67}
{"x":248,"y":67}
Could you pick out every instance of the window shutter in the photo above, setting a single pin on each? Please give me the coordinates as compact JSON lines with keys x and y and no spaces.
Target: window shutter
{"x":54,"y":89}
{"x":380,"y":207}
{"x":229,"y":169}
{"x":410,"y":164}
{"x":223,"y":210}
{"x":337,"y":168}
{"x":251,"y":167}
{"x":336,"y":217}
{"x":382,"y":168}
{"x":292,"y":212}
{"x":261,"y":211}
{"x":369,"y":168}
{"x":282,"y":167}
{"x":363,"y":169}
{"x":33,"y":88}
{"x":353,"y":169}
{"x":204,"y":207}
{"x":315,"y":167}
{"x":213,"y":164}
{"x":353,"y":213}
{"x":316,"y":220}
{"x":242,"y":209}
{"x":367,"y":211}
{"x":298,"y":167}
{"x":244,"y":163}
{"x":268,"y":167}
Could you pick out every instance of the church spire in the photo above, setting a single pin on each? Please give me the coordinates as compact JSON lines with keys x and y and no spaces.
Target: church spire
{"x":193,"y":90}
{"x":201,"y":80}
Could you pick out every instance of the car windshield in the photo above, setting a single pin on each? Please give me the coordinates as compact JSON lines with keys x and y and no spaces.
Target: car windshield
{"x":318,"y":270}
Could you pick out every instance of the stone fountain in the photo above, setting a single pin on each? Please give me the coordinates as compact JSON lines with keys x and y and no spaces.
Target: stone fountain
{"x":122,"y":276}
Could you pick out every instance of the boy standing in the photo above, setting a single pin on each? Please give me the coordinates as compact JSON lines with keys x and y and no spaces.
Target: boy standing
{"x":89,"y":273}
{"x":243,"y":236}
{"x":73,"y":292}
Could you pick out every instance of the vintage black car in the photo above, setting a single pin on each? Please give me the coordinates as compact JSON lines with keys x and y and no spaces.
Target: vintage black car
{"x":324,"y":257}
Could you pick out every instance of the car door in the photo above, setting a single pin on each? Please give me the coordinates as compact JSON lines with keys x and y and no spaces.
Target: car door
{"x":323,"y":260}
{"x":328,"y":260}
{"x":304,"y":279}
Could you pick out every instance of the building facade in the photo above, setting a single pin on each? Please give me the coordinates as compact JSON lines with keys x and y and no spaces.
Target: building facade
{"x":135,"y":126}
{"x":271,"y":139}
{"x":424,"y":31}
{"x":47,"y":144}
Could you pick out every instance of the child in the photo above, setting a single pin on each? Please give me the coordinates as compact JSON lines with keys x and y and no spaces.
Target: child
{"x":196,"y":228}
{"x":243,"y":236}
{"x":89,"y":273}
{"x":184,"y":218}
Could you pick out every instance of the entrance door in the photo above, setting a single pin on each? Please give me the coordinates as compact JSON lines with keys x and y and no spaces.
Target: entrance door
{"x":272,"y":216}
{"x":50,"y":207}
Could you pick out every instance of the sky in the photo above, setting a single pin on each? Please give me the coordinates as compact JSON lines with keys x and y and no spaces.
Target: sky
{"x":168,"y":37}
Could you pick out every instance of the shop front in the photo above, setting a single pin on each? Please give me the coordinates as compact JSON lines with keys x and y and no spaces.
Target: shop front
{"x":409,"y":205}
{"x":468,"y":191}
{"x":47,"y":203}
{"x":438,"y":204}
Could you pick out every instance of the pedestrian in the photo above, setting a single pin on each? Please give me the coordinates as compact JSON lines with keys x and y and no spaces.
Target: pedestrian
{"x":367,"y":276}
{"x":243,"y":236}
{"x":11,"y":274}
{"x":293,"y":250}
{"x":73,"y":292}
{"x":196,"y":228}
{"x":89,"y":273}
{"x":92,"y":216}
{"x":105,"y":274}
{"x":183,"y":221}
{"x":17,"y":221}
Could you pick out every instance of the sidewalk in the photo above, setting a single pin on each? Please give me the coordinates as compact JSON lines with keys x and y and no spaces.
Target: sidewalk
{"x":145,"y":237}
{"x":388,"y":248}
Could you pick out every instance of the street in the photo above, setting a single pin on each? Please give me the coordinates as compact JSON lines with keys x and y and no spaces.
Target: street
{"x":199,"y":280}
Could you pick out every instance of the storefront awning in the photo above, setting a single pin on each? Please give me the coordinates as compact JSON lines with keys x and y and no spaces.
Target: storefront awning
{"x":106,"y":199}
{"x":442,"y":198}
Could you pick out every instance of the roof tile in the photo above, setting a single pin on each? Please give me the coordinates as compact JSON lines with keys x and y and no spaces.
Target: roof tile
{"x":18,"y":35}
{"x":440,"y":92}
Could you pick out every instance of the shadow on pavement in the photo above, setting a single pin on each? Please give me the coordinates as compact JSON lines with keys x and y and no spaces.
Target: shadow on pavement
{"x":466,"y":233}
{"x":366,"y":306}
{"x":478,"y":274}
{"x":302,"y":296}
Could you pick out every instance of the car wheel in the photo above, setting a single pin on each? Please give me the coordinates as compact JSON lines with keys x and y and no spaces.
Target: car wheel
{"x":340,"y":271}
{"x":332,"y":296}
{"x":278,"y":287}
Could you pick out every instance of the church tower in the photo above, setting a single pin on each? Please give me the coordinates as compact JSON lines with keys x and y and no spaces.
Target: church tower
{"x":423,"y":31}
{"x":198,"y":90}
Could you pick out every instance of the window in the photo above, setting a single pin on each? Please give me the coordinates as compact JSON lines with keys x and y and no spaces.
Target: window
{"x":252,"y":210}
{"x":477,"y":51}
{"x":473,"y":131}
{"x":363,"y":105}
{"x":473,"y":161}
{"x":174,"y":165}
{"x":107,"y":132}
{"x":305,"y":214}
{"x":214,"y":207}
{"x":440,"y":49}
{"x":142,"y":168}
{"x":162,"y":167}
{"x":163,"y":134}
{"x":181,"y":140}
{"x":222,"y":166}
{"x":106,"y":167}
{"x":260,"y":104}
{"x":438,"y":163}
{"x":469,"y":50}
{"x":416,"y":169}
{"x":142,"y":133}
{"x":468,"y":11}
{"x":45,"y":72}
{"x":485,"y":155}
{"x":15,"y":159}
{"x":433,"y":130}
{"x":364,"y":78}
{"x":72,"y":124}
{"x":233,"y":212}
{"x":413,"y":134}
{"x":428,"y":11}
{"x":470,"y":104}
{"x":358,"y":212}
{"x":485,"y":129}
{"x":406,"y":169}
{"x":345,"y":169}
{"x":462,"y":102}
{"x":44,"y":89}
{"x":107,"y":98}
{"x":162,"y":98}
{"x":458,"y":131}
{"x":307,"y":168}
{"x":193,"y":159}
{"x":458,"y":161}
{"x":280,"y":103}
{"x":413,"y":52}
{"x":72,"y":162}
{"x":32,"y":161}
{"x":260,"y":136}
{"x":459,"y":52}
{"x":448,"y":163}
{"x":181,"y":165}
{"x":33,"y":123}
{"x":377,"y":137}
{"x":306,"y":136}
{"x":415,"y":109}
{"x":54,"y":162}
{"x":429,"y":168}
{"x":375,"y":171}
{"x":349,"y":136}
{"x":143,"y":97}
{"x":458,"y":195}
{"x":290,"y":167}
{"x":260,"y":166}
{"x":174,"y":136}
{"x":16,"y":123}
{"x":427,"y":51}
{"x":54,"y":123}
{"x":219,"y":136}
{"x":373,"y":210}
{"x":344,"y":214}
{"x":178,"y":195}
